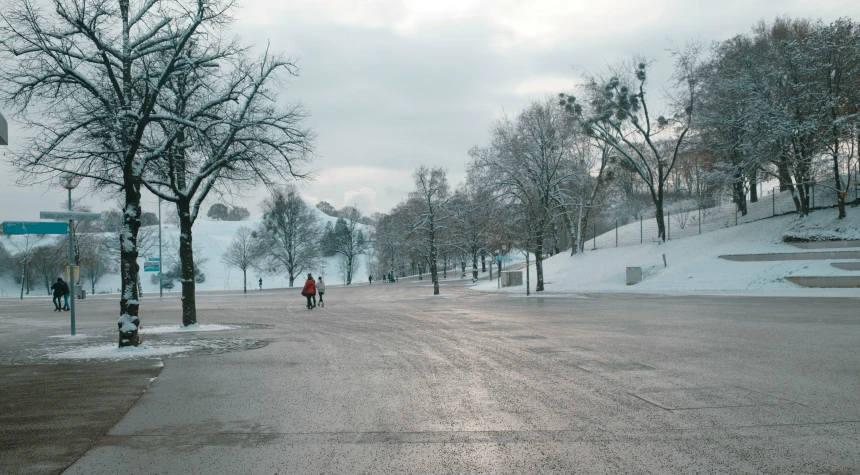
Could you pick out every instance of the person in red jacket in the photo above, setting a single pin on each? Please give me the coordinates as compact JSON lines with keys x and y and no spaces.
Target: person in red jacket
{"x":310,"y":291}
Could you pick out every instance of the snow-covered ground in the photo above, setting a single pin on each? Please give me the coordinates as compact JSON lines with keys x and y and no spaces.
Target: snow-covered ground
{"x":212,"y":238}
{"x":694,"y":266}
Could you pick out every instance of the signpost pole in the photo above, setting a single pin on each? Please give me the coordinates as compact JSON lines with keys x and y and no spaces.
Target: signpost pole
{"x":160,"y":283}
{"x":71,"y":267}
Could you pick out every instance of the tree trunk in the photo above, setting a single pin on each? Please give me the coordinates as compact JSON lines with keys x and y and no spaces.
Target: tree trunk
{"x":661,"y":224}
{"x":483,"y":263}
{"x":245,"y":280}
{"x":129,"y":322}
{"x":528,"y":283}
{"x":23,"y":275}
{"x":292,"y":279}
{"x":840,"y":193}
{"x":754,"y":187}
{"x":474,"y":266}
{"x":186,"y":258}
{"x":539,"y":264}
{"x":349,"y":270}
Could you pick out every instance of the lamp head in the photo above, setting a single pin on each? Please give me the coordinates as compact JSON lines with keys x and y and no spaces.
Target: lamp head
{"x":70,"y":181}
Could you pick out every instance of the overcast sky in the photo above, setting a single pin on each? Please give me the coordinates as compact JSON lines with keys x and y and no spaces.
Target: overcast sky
{"x":393,"y":84}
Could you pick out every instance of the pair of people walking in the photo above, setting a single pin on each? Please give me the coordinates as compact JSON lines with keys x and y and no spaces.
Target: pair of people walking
{"x":60,"y":289}
{"x":311,"y":289}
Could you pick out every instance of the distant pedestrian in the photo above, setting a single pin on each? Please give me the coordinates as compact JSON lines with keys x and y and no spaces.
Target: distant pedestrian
{"x":370,"y":279}
{"x":261,"y":283}
{"x":57,"y":288}
{"x":321,"y":290}
{"x":310,"y":291}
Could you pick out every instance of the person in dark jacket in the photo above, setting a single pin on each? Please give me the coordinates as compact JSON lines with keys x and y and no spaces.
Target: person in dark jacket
{"x":66,"y":292}
{"x":58,"y":290}
{"x":310,"y":291}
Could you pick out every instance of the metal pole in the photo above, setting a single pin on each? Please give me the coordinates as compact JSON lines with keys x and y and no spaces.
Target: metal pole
{"x":700,"y":219}
{"x":668,"y":225}
{"x":71,"y":267}
{"x":160,"y":264}
{"x":616,"y":232}
{"x":640,"y":230}
{"x":773,"y":195}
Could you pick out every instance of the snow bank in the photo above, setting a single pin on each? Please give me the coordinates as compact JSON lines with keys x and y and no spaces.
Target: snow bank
{"x":110,"y":351}
{"x":181,"y":329}
{"x":694,"y":265}
{"x":824,"y":226}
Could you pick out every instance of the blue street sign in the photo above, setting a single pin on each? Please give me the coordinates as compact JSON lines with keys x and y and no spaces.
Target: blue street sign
{"x":151,"y":266}
{"x":154,"y":259}
{"x":34,"y":227}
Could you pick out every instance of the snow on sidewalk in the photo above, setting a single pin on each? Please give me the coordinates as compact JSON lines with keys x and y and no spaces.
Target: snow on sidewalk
{"x":694,"y":265}
{"x":110,"y":351}
{"x":181,"y":329}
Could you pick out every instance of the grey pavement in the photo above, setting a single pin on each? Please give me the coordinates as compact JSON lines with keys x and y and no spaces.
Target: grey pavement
{"x":388,"y":379}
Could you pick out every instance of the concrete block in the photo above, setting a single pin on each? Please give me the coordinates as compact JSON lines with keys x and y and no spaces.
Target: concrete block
{"x":511,"y":278}
{"x":634,"y":275}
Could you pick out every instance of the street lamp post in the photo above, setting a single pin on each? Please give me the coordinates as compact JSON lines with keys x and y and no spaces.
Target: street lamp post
{"x":160,"y":264}
{"x":70,"y":182}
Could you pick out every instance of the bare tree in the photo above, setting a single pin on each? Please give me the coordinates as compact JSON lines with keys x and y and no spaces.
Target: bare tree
{"x":91,"y":74}
{"x":242,"y":138}
{"x":619,"y":116}
{"x":530,"y":162}
{"x":290,"y":233}
{"x":25,"y":245}
{"x":243,"y":252}
{"x":429,"y":198}
{"x":348,"y":241}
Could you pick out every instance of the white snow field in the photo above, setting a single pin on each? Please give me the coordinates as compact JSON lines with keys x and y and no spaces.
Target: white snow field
{"x":694,"y":266}
{"x":212,"y":238}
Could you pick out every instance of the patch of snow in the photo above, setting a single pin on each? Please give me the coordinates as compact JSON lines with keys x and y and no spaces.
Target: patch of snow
{"x":190,"y":328}
{"x":79,"y":336}
{"x":110,"y":351}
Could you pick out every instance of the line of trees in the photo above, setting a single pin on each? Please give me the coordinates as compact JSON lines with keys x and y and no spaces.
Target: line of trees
{"x":779,"y":103}
{"x":291,"y":240}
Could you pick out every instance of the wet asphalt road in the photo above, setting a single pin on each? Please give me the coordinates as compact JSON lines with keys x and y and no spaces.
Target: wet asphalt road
{"x":387,"y":379}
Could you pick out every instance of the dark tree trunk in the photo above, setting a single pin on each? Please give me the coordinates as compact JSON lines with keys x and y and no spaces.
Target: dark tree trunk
{"x":245,"y":280}
{"x":840,"y":193}
{"x":754,"y":187}
{"x":474,"y":266}
{"x":528,"y":282}
{"x":483,"y":263}
{"x":539,"y":263}
{"x":129,"y":305}
{"x":292,"y":280}
{"x":186,"y":259}
{"x":661,"y":223}
{"x":738,"y":195}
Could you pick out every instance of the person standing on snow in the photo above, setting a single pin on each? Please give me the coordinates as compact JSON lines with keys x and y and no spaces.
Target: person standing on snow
{"x":57,"y":289}
{"x":370,"y":279}
{"x":310,"y":291}
{"x":321,"y":290}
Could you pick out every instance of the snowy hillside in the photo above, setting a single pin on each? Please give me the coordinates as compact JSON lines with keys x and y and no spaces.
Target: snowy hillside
{"x":693,"y":264}
{"x":212,"y":238}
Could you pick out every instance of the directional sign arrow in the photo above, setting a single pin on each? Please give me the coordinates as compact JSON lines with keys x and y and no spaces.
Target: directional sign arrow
{"x":67,"y":215}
